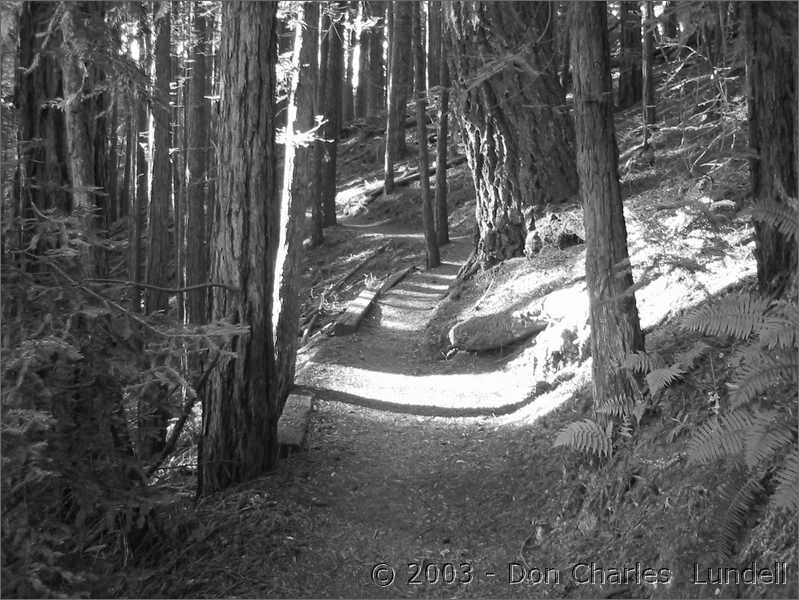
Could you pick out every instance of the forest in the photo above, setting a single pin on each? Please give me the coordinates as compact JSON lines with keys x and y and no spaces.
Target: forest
{"x":362,"y":298}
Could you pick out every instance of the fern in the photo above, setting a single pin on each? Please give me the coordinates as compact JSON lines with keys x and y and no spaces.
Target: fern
{"x":741,"y":503}
{"x":722,"y":438}
{"x":586,"y":436}
{"x":660,"y":379}
{"x":781,"y":216}
{"x":787,"y":493}
{"x":688,"y":358}
{"x":781,"y":327}
{"x":763,"y":373}
{"x":766,"y":438}
{"x":738,"y":315}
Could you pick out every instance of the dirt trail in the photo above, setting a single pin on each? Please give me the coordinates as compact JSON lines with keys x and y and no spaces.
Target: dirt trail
{"x":402,"y":468}
{"x":384,"y":365}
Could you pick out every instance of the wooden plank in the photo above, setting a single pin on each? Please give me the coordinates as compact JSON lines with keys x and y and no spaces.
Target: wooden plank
{"x":356,"y":310}
{"x":351,"y":318}
{"x":292,"y":427}
{"x":394,"y":279}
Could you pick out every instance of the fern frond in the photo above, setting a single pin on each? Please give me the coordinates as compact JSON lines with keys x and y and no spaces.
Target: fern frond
{"x":781,"y":327}
{"x":760,"y":374}
{"x":720,"y":438}
{"x":642,"y":362}
{"x":779,"y":215}
{"x":767,"y":435}
{"x":585,"y":436}
{"x":616,"y":406}
{"x":688,"y":358}
{"x":741,"y":503}
{"x":738,"y":315}
{"x":787,"y":493}
{"x":659,"y":379}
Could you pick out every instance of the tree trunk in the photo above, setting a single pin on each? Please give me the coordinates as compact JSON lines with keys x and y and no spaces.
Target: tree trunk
{"x":317,"y":209}
{"x":630,"y":55}
{"x":399,"y":38}
{"x":564,"y":47}
{"x":615,"y":328}
{"x":519,"y":138}
{"x":296,"y":197}
{"x":139,"y":215}
{"x":376,"y":87}
{"x":771,"y":36}
{"x":332,"y":102}
{"x":240,"y":408}
{"x":648,"y":82}
{"x":441,"y":211}
{"x":158,"y":252}
{"x":130,"y":161}
{"x":363,"y":61}
{"x":44,"y":158}
{"x":80,"y":75}
{"x":347,"y":98}
{"x":199,"y":117}
{"x":433,"y":43}
{"x":431,"y":243}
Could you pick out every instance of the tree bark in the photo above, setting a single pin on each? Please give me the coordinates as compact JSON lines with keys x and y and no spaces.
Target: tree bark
{"x":43,"y":158}
{"x":240,"y":412}
{"x":158,"y":252}
{"x":615,"y":328}
{"x":296,"y":197}
{"x":364,"y":39}
{"x":197,"y":158}
{"x":86,"y":176}
{"x":332,"y":102}
{"x":376,"y":87}
{"x":348,"y":52}
{"x":433,"y":43}
{"x":397,"y":96}
{"x":630,"y":56}
{"x":770,"y":29}
{"x":441,"y":211}
{"x":431,"y":243}
{"x":518,"y":135}
{"x":648,"y":82}
{"x":320,"y":108}
{"x":564,"y":46}
{"x":139,"y":215}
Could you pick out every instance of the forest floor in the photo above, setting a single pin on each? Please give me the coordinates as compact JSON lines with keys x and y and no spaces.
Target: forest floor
{"x":434,"y":475}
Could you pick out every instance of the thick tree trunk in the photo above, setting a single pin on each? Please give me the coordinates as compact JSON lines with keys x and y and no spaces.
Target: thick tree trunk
{"x":441,"y":211}
{"x":630,"y":58}
{"x":43,"y":158}
{"x":332,"y":102}
{"x":398,"y":87}
{"x":296,"y":197}
{"x":139,"y":214}
{"x":80,"y":117}
{"x":615,"y":328}
{"x":771,"y":37}
{"x":433,"y":43}
{"x":518,"y":135}
{"x":240,"y":412}
{"x":199,"y":117}
{"x":376,"y":87}
{"x":158,"y":253}
{"x":648,"y":82}
{"x":431,"y":243}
